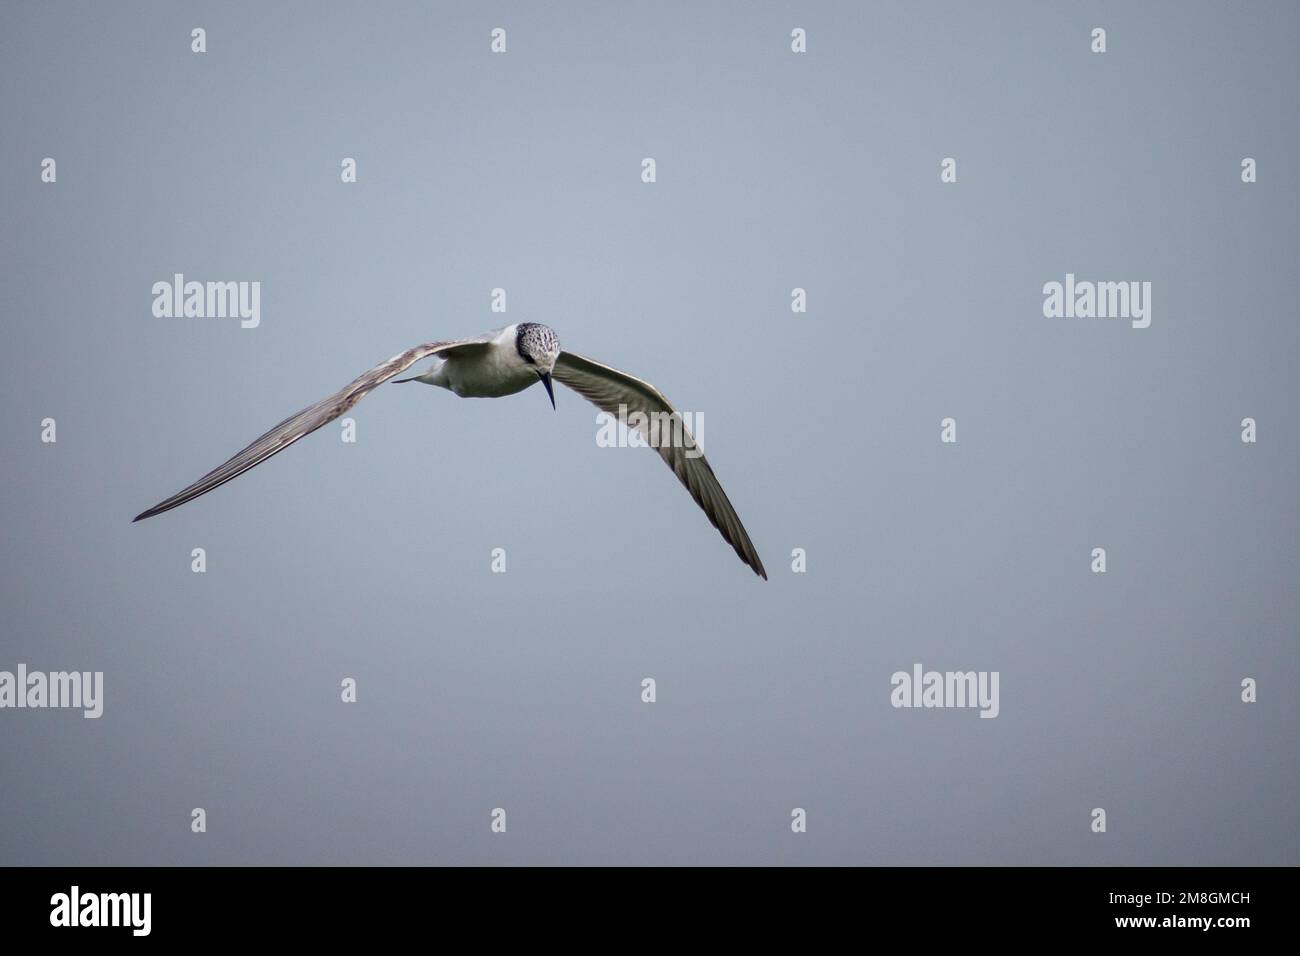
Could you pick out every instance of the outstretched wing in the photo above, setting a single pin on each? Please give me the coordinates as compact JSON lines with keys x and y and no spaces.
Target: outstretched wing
{"x":308,"y":420}
{"x":608,"y":388}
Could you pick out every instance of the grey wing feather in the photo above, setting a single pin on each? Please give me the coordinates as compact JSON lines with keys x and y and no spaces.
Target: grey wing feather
{"x":607,"y":388}
{"x":307,"y":421}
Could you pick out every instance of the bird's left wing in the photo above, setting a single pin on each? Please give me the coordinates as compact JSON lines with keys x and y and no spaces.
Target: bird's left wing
{"x":308,"y":420}
{"x":608,"y":388}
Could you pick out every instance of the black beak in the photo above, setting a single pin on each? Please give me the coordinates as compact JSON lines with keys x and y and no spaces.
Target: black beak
{"x":546,"y":380}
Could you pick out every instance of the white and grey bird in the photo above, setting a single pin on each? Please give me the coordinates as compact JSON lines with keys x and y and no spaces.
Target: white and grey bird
{"x":503,"y":362}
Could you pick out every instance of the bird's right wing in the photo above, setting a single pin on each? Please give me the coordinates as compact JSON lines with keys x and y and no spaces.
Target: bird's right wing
{"x":309,"y":419}
{"x":608,"y":388}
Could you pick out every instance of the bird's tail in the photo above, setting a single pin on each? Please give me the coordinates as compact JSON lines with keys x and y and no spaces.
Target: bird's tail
{"x":426,"y":377}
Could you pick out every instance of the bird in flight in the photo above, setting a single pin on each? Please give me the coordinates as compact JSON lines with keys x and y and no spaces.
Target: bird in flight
{"x":503,"y":362}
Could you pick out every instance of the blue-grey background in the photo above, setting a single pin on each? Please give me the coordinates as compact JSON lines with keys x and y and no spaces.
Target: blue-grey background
{"x":775,"y":170}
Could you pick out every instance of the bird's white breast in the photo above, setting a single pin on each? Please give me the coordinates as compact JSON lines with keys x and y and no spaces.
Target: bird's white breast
{"x":498,"y":370}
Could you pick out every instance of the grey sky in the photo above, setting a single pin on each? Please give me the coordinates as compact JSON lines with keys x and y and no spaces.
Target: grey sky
{"x":775,"y":171}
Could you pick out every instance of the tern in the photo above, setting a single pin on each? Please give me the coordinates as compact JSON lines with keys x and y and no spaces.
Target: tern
{"x":498,"y":363}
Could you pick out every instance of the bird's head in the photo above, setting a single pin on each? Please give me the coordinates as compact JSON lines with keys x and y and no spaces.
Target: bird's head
{"x":539,"y":347}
